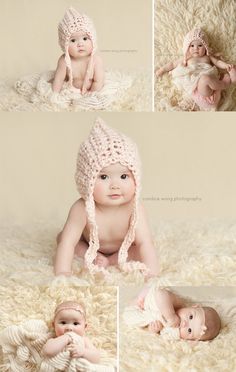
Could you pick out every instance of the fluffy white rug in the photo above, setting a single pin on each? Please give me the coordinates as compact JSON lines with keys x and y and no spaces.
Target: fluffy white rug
{"x":130,"y":92}
{"x":143,"y":351}
{"x":20,"y":303}
{"x":173,"y":19}
{"x":190,"y":253}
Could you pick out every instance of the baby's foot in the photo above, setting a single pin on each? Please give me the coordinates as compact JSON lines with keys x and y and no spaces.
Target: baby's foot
{"x":232,"y":74}
{"x":101,"y":260}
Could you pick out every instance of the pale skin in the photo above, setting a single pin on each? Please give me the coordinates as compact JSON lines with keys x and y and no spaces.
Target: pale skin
{"x":114,"y":196}
{"x":66,"y":321}
{"x":80,"y":49}
{"x":188,"y":319}
{"x":207,"y":84}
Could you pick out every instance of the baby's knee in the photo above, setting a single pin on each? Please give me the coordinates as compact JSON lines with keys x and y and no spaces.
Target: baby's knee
{"x":205,"y":79}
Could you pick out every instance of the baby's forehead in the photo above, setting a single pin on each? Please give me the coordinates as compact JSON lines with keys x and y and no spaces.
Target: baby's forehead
{"x":115,"y":167}
{"x":79,"y":34}
{"x":69,"y":313}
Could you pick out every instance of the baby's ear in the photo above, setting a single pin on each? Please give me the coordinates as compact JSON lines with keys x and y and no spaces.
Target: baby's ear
{"x":86,"y":325}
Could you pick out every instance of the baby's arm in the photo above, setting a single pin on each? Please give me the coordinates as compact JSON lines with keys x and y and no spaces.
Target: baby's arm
{"x":55,"y":345}
{"x":144,"y":243}
{"x":89,"y":351}
{"x":221,"y":64}
{"x":139,"y":301}
{"x":60,"y":75}
{"x":70,"y":236}
{"x":168,"y":67}
{"x":168,"y":303}
{"x":98,"y":78}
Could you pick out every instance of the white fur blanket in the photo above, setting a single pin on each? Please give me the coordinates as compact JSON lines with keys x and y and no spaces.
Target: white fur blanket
{"x":22,"y":337}
{"x":192,"y":253}
{"x":173,"y":19}
{"x":122,"y":92}
{"x":144,"y":351}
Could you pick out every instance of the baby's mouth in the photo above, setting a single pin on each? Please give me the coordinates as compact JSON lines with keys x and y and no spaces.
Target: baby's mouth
{"x":115,"y":196}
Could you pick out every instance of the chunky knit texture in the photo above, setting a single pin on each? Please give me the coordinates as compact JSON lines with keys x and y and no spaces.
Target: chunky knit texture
{"x":22,"y":349}
{"x":195,"y":34}
{"x":71,"y":23}
{"x":104,"y":147}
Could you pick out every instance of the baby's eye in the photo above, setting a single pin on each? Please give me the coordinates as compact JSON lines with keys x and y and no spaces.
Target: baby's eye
{"x":72,"y":40}
{"x":190,"y":317}
{"x":189,"y":330}
{"x":103,"y":176}
{"x":76,"y":323}
{"x":63,"y":322}
{"x":124,"y":176}
{"x":85,"y":38}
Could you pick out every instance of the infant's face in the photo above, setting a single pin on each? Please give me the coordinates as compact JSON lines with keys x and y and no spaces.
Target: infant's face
{"x":80,"y":45}
{"x":192,"y":320}
{"x":196,"y":49}
{"x":69,"y":320}
{"x":115,"y":185}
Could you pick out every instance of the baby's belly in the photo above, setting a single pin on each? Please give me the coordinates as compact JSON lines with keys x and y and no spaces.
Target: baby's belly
{"x":78,"y":83}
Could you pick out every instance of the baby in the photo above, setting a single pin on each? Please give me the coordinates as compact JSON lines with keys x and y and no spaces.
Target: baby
{"x":165,"y":311}
{"x":197,"y":74}
{"x":107,"y":225}
{"x":70,"y":324}
{"x":80,"y":64}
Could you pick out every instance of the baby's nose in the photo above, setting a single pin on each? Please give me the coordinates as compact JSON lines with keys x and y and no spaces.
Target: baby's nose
{"x":69,"y":328}
{"x":114,"y":186}
{"x":183,"y":324}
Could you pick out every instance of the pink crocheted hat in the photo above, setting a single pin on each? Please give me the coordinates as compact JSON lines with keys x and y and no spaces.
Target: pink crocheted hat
{"x":103,"y":147}
{"x":195,"y":34}
{"x":71,"y":23}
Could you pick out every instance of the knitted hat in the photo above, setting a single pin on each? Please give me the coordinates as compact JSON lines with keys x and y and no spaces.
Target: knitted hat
{"x":104,"y":147}
{"x":71,"y":23}
{"x":195,"y":34}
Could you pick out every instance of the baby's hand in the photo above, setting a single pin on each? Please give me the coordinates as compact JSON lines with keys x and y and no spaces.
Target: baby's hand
{"x":76,"y":351}
{"x":174,"y":321}
{"x":160,"y":72}
{"x":229,"y":67}
{"x":155,"y":327}
{"x":140,"y":302}
{"x":101,"y":260}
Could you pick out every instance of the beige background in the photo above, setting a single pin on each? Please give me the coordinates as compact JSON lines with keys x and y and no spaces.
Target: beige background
{"x":28,"y":36}
{"x":181,"y":158}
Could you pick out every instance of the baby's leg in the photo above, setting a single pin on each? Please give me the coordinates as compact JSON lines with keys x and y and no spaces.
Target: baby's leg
{"x":207,"y":84}
{"x":147,"y":256}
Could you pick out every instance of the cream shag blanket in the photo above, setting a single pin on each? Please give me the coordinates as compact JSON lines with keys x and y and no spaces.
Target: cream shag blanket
{"x":190,"y":253}
{"x":22,"y":337}
{"x":143,"y":351}
{"x":122,"y":92}
{"x":173,"y":19}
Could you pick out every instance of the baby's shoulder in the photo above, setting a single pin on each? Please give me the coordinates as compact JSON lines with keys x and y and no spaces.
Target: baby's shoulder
{"x":97,"y":59}
{"x":78,"y":208}
{"x":61,"y":61}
